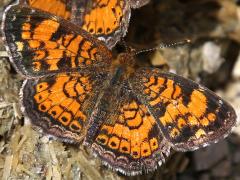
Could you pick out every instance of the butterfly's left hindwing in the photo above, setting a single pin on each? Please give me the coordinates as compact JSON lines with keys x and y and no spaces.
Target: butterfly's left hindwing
{"x":62,"y":104}
{"x":40,"y":43}
{"x":189,"y":115}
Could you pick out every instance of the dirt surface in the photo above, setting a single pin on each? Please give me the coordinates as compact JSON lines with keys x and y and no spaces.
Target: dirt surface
{"x":212,"y":59}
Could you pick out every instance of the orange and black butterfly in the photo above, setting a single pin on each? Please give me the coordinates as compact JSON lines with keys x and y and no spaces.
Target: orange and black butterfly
{"x":106,"y":19}
{"x":130,"y":117}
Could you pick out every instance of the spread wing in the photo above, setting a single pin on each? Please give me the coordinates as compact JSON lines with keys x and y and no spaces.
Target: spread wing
{"x":189,"y":115}
{"x":40,"y":43}
{"x":62,"y":104}
{"x":124,"y":134}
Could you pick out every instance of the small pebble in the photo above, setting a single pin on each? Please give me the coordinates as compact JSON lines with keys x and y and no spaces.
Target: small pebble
{"x":236,"y":69}
{"x":211,"y":54}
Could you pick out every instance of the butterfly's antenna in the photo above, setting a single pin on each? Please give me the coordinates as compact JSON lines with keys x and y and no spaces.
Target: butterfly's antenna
{"x":186,"y":41}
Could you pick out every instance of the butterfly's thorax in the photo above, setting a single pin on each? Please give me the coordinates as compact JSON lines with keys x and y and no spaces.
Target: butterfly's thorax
{"x":123,"y":66}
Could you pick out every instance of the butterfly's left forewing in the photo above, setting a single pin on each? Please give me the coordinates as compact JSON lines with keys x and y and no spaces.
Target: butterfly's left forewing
{"x":189,"y":115}
{"x":40,"y":43}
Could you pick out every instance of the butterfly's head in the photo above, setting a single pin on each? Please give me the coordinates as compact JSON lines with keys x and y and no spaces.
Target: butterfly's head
{"x":127,"y":59}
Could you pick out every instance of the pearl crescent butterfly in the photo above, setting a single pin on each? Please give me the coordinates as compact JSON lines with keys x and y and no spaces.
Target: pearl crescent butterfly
{"x":106,"y":19}
{"x":130,"y":117}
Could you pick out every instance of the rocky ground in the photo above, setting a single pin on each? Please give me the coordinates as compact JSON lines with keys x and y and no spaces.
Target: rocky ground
{"x":212,"y":58}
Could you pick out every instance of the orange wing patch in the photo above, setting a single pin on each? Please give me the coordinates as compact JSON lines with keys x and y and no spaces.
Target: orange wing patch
{"x":53,"y":52}
{"x":189,"y":116}
{"x":104,"y":18}
{"x":58,"y":7}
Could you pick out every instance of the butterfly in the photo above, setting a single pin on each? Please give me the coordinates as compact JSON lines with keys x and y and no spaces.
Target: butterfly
{"x":129,"y":116}
{"x":108,"y":20}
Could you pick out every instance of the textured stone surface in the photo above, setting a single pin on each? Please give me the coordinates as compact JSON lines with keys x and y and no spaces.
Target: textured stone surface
{"x":207,"y":157}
